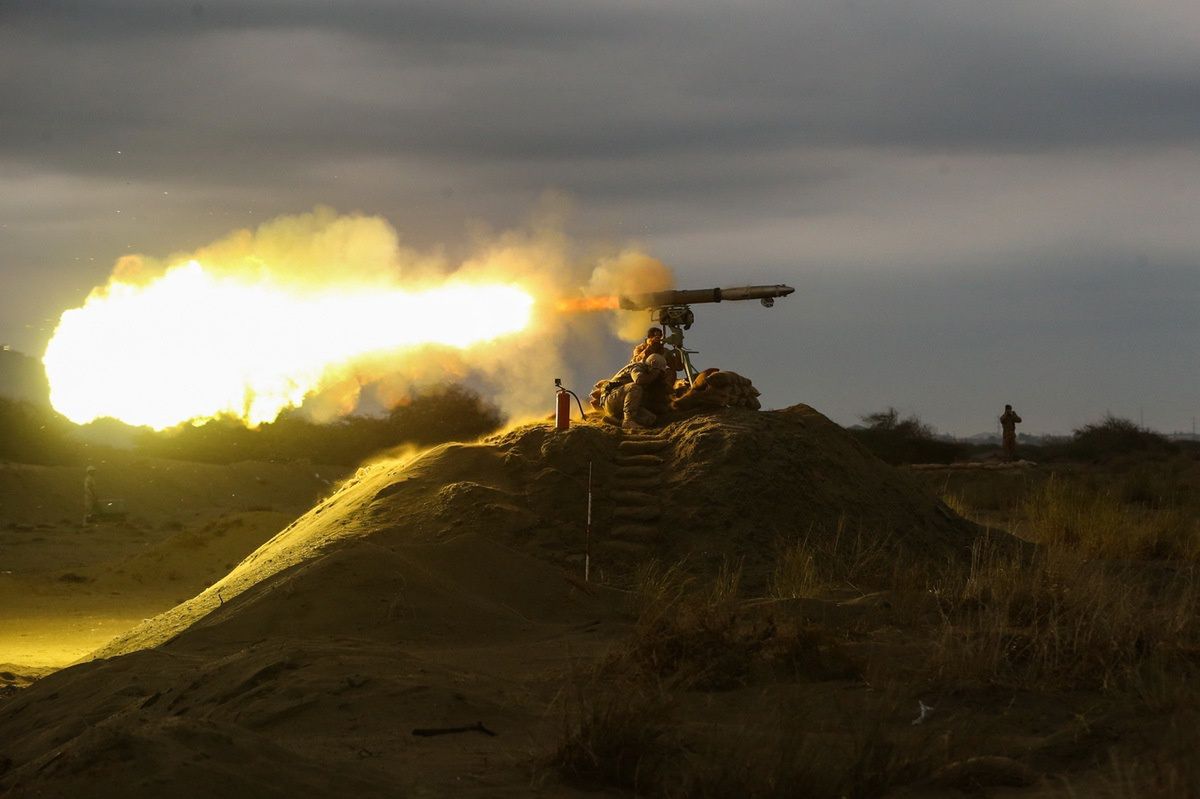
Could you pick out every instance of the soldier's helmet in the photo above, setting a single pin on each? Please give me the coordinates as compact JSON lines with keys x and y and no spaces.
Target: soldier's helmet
{"x":657,"y":361}
{"x":91,"y":469}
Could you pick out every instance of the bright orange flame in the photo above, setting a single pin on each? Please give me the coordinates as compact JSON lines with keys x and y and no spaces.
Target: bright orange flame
{"x":588,"y":304}
{"x":191,"y":345}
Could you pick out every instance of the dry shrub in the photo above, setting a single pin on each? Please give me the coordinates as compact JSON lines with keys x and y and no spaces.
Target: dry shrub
{"x":956,"y":503}
{"x":1064,"y":513}
{"x":857,"y":757}
{"x":796,"y":574}
{"x":620,"y":732}
{"x":616,"y":732}
{"x":1057,"y":621}
{"x":1112,"y":437}
{"x":839,"y":558}
{"x":656,"y":587}
{"x":1172,"y":772}
{"x":693,"y":632}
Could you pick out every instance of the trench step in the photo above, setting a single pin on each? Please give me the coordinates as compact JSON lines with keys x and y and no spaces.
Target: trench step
{"x":639,"y":460}
{"x":631,"y":446}
{"x":628,"y":497}
{"x":642,"y":484}
{"x":614,"y":547}
{"x":635,"y":532}
{"x":636,"y":472}
{"x":640,"y":513}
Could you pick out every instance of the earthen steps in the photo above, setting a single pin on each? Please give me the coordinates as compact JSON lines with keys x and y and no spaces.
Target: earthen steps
{"x":634,"y":531}
{"x":630,"y":497}
{"x":639,"y":460}
{"x":633,"y":446}
{"x":636,"y":472}
{"x":643,"y":513}
{"x":614,"y":546}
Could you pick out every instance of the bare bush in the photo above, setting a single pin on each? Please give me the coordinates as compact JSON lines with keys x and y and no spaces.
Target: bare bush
{"x":1055,"y":620}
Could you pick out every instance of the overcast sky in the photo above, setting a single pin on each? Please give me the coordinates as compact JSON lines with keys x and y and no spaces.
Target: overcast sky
{"x":978,"y":203}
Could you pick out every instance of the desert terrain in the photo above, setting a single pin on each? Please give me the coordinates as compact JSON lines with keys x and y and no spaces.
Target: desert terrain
{"x":771,"y":611}
{"x":67,"y":587}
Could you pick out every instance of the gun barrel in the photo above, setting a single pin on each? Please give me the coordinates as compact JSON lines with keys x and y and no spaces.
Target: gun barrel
{"x":659,"y":299}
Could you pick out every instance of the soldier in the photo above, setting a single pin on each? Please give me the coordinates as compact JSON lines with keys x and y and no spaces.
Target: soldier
{"x":653,"y":344}
{"x":639,"y":393}
{"x":1008,"y":424}
{"x":90,"y":500}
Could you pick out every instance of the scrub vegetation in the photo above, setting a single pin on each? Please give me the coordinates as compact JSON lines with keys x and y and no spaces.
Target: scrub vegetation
{"x":848,"y":629}
{"x":33,"y":433}
{"x":1066,"y":663}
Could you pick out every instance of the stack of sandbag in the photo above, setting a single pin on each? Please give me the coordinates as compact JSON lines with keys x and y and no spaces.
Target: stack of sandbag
{"x":714,"y":388}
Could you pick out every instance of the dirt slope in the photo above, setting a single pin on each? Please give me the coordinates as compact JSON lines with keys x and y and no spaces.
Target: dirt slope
{"x":440,"y":592}
{"x":66,"y":588}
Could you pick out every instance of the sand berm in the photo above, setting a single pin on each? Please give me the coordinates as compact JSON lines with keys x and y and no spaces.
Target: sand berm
{"x":442,"y":591}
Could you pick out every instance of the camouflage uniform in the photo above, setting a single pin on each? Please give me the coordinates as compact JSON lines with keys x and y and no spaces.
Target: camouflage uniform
{"x":1008,"y":424}
{"x":642,"y":394}
{"x":647,"y":348}
{"x":652,"y":344}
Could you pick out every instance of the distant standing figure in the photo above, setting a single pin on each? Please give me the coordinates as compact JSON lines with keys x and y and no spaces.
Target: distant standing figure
{"x":1008,"y":424}
{"x":90,"y":501}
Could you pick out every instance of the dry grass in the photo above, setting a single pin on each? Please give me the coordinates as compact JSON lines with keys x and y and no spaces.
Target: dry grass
{"x":848,"y":757}
{"x":1096,"y":522}
{"x":694,"y":631}
{"x":616,"y":732}
{"x":694,"y":636}
{"x":1103,"y":612}
{"x":1058,"y":621}
{"x":796,"y":574}
{"x":838,"y":559}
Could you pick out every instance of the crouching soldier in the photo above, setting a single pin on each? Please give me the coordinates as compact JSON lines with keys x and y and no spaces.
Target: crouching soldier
{"x":638,"y":394}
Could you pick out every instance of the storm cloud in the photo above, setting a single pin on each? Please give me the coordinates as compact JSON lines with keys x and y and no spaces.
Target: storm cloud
{"x":979,"y":203}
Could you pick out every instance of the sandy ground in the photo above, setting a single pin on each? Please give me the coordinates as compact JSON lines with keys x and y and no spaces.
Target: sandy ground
{"x":444,"y":592}
{"x":67,"y":588}
{"x":430,"y":594}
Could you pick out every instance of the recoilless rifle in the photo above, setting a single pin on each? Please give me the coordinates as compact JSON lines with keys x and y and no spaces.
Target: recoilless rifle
{"x":672,"y":309}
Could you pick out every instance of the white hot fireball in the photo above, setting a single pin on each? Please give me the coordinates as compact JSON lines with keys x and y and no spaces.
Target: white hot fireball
{"x":192,"y":345}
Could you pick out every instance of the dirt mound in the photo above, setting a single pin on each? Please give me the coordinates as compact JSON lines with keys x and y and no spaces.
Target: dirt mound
{"x":442,"y":591}
{"x":729,"y":485}
{"x":67,"y":588}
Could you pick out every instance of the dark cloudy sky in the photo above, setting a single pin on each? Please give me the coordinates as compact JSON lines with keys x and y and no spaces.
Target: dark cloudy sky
{"x":978,"y":203}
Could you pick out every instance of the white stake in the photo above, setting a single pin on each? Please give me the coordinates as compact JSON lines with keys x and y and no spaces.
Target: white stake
{"x":587,"y":541}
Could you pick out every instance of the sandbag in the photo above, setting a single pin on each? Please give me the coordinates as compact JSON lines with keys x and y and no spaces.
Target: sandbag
{"x":714,"y":388}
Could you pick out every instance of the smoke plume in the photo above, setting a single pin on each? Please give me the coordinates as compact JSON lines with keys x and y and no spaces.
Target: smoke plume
{"x":323,"y":249}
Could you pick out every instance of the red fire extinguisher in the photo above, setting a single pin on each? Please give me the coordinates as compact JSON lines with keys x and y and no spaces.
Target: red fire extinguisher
{"x":562,"y":406}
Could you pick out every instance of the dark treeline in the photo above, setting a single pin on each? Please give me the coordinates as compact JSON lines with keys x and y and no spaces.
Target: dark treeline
{"x":32,"y":434}
{"x":903,"y":440}
{"x":899,"y":440}
{"x":449,"y":413}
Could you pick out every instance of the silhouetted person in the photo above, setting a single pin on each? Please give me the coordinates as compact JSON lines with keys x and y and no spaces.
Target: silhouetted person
{"x":1008,"y":424}
{"x":91,"y":502}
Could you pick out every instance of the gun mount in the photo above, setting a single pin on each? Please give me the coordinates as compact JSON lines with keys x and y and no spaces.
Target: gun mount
{"x":672,"y":310}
